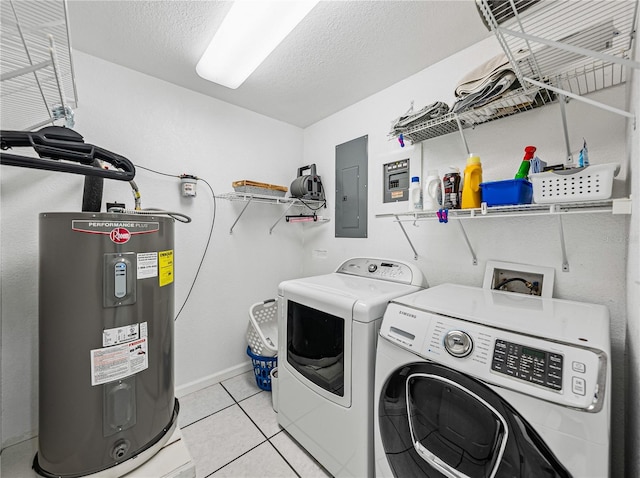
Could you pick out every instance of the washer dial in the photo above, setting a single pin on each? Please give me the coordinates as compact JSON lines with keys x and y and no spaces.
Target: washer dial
{"x":458,"y":343}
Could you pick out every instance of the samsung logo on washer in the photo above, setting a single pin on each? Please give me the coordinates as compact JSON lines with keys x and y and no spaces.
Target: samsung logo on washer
{"x":402,"y":312}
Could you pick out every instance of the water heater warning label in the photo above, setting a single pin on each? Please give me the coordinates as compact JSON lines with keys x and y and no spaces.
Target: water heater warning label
{"x":120,"y":335}
{"x":119,"y":361}
{"x":165,"y":262}
{"x":147,"y":265}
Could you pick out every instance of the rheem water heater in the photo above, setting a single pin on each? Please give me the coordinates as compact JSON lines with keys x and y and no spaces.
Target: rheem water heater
{"x":106,"y":381}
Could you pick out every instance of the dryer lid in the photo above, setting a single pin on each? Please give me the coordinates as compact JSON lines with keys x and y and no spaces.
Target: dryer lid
{"x":362,"y":298}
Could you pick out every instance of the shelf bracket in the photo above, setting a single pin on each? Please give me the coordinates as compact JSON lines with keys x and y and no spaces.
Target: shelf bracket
{"x":240,"y":215}
{"x":584,"y":99}
{"x":474,"y":259}
{"x":415,"y":253}
{"x":281,"y":216}
{"x":562,"y":100}
{"x":565,"y":262}
{"x":464,"y":139}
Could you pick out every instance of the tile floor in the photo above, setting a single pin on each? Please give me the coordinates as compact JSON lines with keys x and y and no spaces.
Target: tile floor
{"x":230,"y":430}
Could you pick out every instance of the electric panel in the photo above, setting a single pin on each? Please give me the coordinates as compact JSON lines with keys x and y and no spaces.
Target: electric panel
{"x":351,"y":188}
{"x":396,"y":181}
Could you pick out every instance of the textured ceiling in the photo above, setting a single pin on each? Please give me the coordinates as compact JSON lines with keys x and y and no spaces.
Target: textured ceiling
{"x":341,"y":53}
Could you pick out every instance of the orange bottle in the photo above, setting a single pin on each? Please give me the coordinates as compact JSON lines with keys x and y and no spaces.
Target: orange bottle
{"x":471,"y":193}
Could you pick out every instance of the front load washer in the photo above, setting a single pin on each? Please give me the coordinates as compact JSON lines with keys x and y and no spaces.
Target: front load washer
{"x":328,"y":326}
{"x":474,"y":383}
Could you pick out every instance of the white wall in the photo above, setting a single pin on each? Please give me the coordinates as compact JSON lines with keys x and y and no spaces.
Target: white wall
{"x":596,"y":244}
{"x":173,"y":130}
{"x":633,"y":289}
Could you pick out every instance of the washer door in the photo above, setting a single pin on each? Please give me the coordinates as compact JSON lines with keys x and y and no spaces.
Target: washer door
{"x":437,"y":422}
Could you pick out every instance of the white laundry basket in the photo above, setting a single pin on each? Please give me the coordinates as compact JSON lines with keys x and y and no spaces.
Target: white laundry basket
{"x":590,"y":183}
{"x":262,"y":331}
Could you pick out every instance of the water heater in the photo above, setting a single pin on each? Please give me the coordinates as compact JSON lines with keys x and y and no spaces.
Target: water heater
{"x":106,"y":315}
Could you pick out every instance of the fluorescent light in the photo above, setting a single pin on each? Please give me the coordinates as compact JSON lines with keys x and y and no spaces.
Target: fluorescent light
{"x":248,"y":34}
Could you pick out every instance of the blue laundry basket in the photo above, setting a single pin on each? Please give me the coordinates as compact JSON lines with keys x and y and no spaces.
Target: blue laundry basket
{"x":262,"y":367}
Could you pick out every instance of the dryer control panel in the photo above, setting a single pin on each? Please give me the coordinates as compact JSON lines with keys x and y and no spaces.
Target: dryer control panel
{"x":383,"y":269}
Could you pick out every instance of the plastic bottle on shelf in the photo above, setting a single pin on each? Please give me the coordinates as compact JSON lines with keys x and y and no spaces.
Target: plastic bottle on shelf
{"x":451,"y":189}
{"x":523,"y":171}
{"x":432,"y":197}
{"x":415,"y":195}
{"x":471,"y":193}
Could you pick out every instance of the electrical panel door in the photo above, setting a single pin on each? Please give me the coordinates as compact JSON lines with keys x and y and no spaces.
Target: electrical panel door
{"x":351,"y":188}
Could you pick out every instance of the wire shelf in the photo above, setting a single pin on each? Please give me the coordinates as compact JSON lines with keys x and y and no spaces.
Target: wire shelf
{"x":601,"y":206}
{"x":36,"y":66}
{"x":589,"y":77}
{"x":290,"y":202}
{"x":517,"y":101}
{"x":266,"y":199}
{"x":261,"y":198}
{"x":576,"y":47}
{"x":556,"y":48}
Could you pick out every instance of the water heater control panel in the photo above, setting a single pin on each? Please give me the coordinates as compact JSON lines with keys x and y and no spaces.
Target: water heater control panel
{"x":119,"y":281}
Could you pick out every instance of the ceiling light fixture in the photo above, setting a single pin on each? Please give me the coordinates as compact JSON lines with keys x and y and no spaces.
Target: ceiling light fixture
{"x":248,"y":34}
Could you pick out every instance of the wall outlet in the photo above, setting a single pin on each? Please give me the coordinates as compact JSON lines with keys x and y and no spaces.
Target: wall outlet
{"x":519,"y":278}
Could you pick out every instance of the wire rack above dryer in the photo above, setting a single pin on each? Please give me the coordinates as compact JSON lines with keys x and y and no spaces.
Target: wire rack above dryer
{"x":570,"y":47}
{"x":38,"y":86}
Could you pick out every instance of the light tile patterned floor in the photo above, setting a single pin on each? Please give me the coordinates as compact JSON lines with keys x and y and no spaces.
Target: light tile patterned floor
{"x":230,"y":430}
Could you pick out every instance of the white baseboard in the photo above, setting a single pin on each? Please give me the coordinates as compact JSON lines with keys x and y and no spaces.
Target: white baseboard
{"x":19,"y":439}
{"x":205,"y":382}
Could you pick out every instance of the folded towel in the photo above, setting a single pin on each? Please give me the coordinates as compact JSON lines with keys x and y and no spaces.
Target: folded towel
{"x":432,"y":111}
{"x":491,"y":91}
{"x":478,"y":78}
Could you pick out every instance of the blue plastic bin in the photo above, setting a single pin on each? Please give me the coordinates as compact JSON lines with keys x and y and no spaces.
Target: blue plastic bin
{"x":262,"y":369}
{"x":508,"y":192}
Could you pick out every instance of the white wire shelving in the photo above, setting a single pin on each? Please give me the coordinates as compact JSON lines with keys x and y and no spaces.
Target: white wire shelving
{"x":559,"y":49}
{"x":572,"y":48}
{"x":36,"y":68}
{"x":608,"y":206}
{"x":288,"y":202}
{"x":517,"y":101}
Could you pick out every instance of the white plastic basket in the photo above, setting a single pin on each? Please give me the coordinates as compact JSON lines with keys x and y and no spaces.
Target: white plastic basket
{"x":262,"y":331}
{"x":590,"y":183}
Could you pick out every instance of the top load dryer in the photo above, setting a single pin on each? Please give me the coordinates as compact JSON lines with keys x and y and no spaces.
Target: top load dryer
{"x":328,"y":327}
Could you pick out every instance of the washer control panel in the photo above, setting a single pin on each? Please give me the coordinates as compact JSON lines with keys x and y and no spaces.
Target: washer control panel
{"x":382,"y":269}
{"x":560,"y":372}
{"x":529,"y":364}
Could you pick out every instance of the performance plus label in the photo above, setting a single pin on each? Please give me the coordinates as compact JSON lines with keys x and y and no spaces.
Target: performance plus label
{"x":120,"y":232}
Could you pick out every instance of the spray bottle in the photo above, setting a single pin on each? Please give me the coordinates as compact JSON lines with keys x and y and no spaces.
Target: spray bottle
{"x":471,"y":193}
{"x":523,"y":171}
